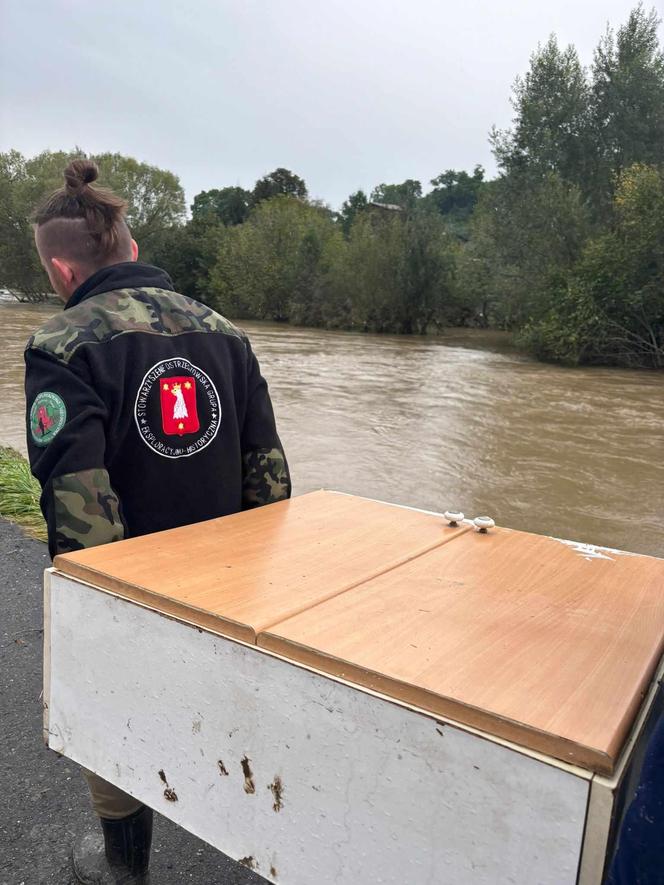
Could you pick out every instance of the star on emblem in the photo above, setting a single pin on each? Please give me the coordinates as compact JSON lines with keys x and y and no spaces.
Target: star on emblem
{"x":180,"y":426}
{"x":165,"y":386}
{"x":187,"y":385}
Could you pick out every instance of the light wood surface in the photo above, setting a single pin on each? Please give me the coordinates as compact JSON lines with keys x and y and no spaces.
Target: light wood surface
{"x":528,"y":638}
{"x":520,"y":635}
{"x":242,"y":573}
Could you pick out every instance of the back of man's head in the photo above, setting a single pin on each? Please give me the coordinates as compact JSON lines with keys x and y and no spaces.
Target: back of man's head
{"x":80,"y":228}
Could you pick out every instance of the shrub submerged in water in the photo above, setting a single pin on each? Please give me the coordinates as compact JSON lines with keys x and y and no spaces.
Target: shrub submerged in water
{"x":19,"y":493}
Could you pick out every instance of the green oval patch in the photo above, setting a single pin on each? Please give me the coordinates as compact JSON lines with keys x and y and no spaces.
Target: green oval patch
{"x":47,"y":417}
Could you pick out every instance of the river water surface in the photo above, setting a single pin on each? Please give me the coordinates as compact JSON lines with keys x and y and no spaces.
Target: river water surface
{"x":455,"y":422}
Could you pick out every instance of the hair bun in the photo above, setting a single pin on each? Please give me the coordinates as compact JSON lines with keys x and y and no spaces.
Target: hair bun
{"x":79,"y":174}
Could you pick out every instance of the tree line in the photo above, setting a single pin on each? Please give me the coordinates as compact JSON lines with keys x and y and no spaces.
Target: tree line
{"x":564,"y":248}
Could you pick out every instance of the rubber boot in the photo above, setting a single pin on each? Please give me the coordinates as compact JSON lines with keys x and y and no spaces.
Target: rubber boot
{"x":121,"y":857}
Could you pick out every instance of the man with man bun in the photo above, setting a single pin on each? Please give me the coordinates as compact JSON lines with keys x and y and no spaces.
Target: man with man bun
{"x":146,"y":410}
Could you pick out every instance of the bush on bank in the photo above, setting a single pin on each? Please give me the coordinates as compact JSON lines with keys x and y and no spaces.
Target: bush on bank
{"x":19,"y":494}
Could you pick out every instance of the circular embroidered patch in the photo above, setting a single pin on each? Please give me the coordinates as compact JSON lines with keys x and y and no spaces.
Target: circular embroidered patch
{"x":48,"y":415}
{"x":177,"y":409}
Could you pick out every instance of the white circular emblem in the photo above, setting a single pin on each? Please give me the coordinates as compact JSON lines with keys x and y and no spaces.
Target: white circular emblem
{"x":177,"y":409}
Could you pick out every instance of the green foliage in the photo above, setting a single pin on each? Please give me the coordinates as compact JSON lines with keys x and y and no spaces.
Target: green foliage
{"x":397,"y":272}
{"x":188,"y":253}
{"x":405,"y":194}
{"x":20,"y":269}
{"x":527,"y":231}
{"x":355,"y":204}
{"x":565,"y":245}
{"x":273,"y":266}
{"x":154,"y":196}
{"x":281,"y":182}
{"x":290,"y":262}
{"x":551,"y":128}
{"x":229,"y":206}
{"x":612,"y":307}
{"x":20,"y":493}
{"x":628,"y":95}
{"x":454,"y":196}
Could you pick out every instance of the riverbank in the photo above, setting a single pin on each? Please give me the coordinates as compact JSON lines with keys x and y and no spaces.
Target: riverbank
{"x":20,"y":493}
{"x":45,"y":802}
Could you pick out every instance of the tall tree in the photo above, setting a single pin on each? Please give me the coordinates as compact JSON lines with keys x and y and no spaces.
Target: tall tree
{"x":628,"y":95}
{"x":228,"y":205}
{"x":454,"y":196}
{"x":155,"y":196}
{"x":610,"y":309}
{"x":528,"y":230}
{"x":350,"y":209}
{"x":405,"y":194}
{"x":280,"y":182}
{"x":398,"y":271}
{"x":155,"y":200}
{"x":551,"y":130}
{"x":20,"y":270}
{"x":271,"y":266}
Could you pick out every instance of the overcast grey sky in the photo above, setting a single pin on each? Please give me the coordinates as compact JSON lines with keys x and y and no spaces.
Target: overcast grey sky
{"x":347,"y":93}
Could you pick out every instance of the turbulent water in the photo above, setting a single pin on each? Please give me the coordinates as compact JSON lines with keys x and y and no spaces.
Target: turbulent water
{"x":458,"y":422}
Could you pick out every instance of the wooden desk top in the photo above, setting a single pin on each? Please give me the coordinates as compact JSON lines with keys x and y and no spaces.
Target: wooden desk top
{"x":516,"y":634}
{"x":240,"y":574}
{"x":546,"y":644}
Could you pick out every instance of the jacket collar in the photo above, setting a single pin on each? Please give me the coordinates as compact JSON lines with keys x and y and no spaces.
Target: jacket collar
{"x":126,"y":275}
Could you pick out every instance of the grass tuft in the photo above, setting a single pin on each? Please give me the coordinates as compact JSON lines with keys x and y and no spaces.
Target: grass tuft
{"x":19,"y":494}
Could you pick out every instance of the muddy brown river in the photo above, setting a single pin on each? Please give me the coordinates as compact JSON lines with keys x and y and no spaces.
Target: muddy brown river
{"x":460,"y":421}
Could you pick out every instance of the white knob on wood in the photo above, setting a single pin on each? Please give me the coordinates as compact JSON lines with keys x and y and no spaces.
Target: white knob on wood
{"x":483,"y":523}
{"x":453,"y":517}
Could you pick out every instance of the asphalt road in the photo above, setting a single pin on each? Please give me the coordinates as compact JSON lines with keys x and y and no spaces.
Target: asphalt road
{"x":43,"y":798}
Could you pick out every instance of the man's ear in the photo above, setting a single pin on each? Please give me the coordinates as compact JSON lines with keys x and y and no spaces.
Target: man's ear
{"x":134,"y":250}
{"x":63,"y":270}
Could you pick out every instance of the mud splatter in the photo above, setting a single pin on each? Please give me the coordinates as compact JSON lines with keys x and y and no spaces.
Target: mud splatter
{"x":277,"y":790}
{"x":169,"y":793}
{"x":249,"y":786}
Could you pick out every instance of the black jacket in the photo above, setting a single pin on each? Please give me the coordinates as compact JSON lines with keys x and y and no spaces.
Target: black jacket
{"x":145,"y":410}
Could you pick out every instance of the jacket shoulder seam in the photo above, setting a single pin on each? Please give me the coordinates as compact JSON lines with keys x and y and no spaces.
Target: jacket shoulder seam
{"x":120,"y":332}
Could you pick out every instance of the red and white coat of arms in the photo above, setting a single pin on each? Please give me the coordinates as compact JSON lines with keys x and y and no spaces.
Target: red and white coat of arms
{"x":178,"y":405}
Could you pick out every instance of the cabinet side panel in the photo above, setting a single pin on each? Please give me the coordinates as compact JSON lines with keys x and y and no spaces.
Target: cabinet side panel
{"x":600,"y":807}
{"x":304,"y":778}
{"x":46,"y":674}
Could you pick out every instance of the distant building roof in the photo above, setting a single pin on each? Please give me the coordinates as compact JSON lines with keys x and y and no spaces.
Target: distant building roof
{"x":388,"y":207}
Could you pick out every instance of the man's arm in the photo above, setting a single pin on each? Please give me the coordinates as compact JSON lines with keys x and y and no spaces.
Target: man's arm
{"x":265,"y":475}
{"x":66,"y":446}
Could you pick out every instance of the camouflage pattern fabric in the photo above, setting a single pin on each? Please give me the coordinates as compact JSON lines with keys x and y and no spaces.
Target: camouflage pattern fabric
{"x":86,"y":511}
{"x":100,"y":319}
{"x":264,"y":478}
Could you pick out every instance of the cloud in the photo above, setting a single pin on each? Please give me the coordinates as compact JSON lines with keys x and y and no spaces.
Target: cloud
{"x":348,"y":93}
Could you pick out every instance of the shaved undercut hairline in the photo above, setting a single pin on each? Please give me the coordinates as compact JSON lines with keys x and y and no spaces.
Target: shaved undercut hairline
{"x":70,"y":240}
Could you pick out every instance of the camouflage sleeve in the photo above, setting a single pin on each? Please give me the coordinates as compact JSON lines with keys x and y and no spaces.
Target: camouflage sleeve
{"x":86,"y":511}
{"x":265,"y":474}
{"x":264,"y":478}
{"x":66,"y":424}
